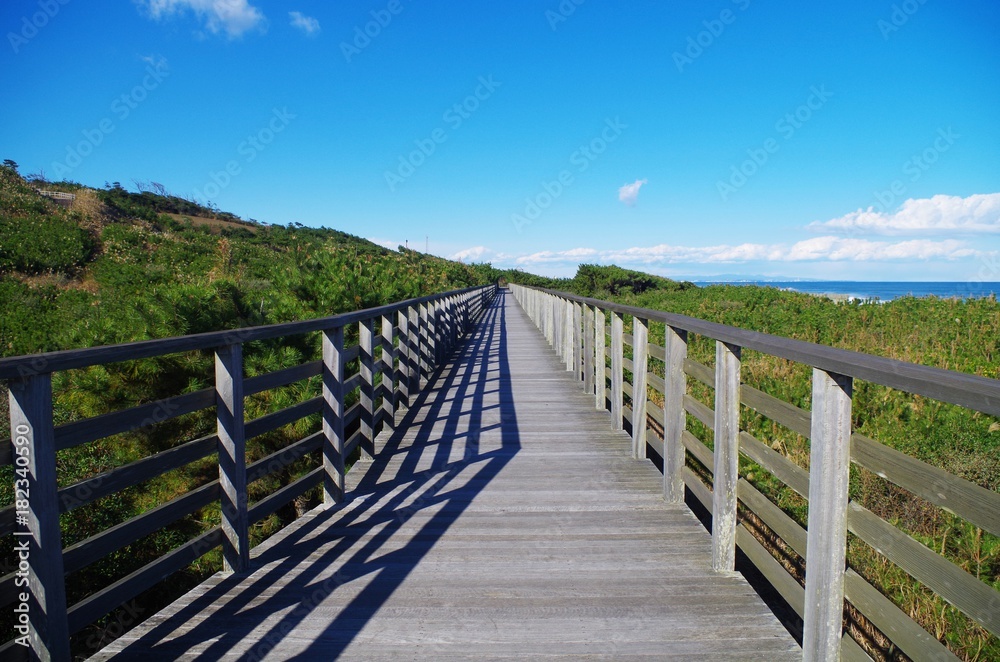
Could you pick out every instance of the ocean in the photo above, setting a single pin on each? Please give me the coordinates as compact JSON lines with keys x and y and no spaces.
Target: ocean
{"x":881,"y":290}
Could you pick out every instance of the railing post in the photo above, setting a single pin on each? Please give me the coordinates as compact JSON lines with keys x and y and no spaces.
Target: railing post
{"x":617,"y":368}
{"x":562,"y":328}
{"x":404,"y":372}
{"x":33,"y":446}
{"x":588,"y":349}
{"x":446,"y":323}
{"x":550,"y":316}
{"x":543,"y":318}
{"x":640,"y":347}
{"x":577,"y":333}
{"x":674,"y":416}
{"x":826,"y":540}
{"x":559,"y":321}
{"x":366,"y":342}
{"x":434,"y":333}
{"x":449,"y":327}
{"x":455,"y":324}
{"x":726,"y":460}
{"x":424,"y":342}
{"x":333,"y":416}
{"x":413,"y":328}
{"x":569,"y":334}
{"x":390,"y":396}
{"x":432,"y":340}
{"x":232,"y":457}
{"x":444,"y":329}
{"x":600,"y":360}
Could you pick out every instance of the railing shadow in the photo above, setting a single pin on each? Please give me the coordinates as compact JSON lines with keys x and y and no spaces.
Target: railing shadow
{"x":448,"y":416}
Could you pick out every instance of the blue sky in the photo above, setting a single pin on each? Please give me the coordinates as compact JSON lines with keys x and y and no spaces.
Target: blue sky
{"x":853,"y":140}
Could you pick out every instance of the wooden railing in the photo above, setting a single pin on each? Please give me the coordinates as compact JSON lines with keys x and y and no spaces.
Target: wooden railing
{"x":414,"y":337}
{"x":59,"y":197}
{"x":579,"y":329}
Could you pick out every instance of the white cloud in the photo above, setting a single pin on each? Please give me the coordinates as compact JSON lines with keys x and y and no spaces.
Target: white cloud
{"x":234,"y":17}
{"x":817,"y":249}
{"x":546,"y":257}
{"x":479,"y":254}
{"x":474,"y":254}
{"x":307,"y":24}
{"x":941,"y":214}
{"x":863,"y":250}
{"x":630,"y":192}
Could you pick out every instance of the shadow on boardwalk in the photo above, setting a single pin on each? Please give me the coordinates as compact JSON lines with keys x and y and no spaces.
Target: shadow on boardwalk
{"x":352,"y":536}
{"x":504,"y":519}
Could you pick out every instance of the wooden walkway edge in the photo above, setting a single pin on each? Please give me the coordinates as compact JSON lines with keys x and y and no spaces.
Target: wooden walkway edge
{"x":502,"y":519}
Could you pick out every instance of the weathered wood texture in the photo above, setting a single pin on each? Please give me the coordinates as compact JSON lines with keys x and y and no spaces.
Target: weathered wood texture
{"x":640,"y":331}
{"x":830,"y":459}
{"x":673,"y":421}
{"x":232,"y":457}
{"x":617,"y":371}
{"x":727,"y":450}
{"x":502,"y":518}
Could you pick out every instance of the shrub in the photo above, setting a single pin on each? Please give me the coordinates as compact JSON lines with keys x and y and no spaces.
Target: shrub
{"x":37,"y":244}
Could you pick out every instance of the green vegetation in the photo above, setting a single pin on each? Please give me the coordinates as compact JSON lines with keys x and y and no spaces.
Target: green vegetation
{"x":945,"y":333}
{"x":117,"y":267}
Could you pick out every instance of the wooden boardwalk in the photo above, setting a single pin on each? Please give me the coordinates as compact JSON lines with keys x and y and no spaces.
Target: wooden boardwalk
{"x":503,"y":519}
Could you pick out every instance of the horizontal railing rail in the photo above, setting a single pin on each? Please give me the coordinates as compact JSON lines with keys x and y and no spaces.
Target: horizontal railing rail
{"x":398,"y":345}
{"x":589,"y":334}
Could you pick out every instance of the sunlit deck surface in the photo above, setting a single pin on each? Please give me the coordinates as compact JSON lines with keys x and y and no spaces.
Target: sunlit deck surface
{"x":502,"y":519}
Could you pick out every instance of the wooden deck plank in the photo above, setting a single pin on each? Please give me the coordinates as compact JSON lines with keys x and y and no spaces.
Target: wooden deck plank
{"x":502,"y":519}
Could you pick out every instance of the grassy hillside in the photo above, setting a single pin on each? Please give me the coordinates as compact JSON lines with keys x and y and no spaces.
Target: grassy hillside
{"x":945,"y":333}
{"x":119,"y":266}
